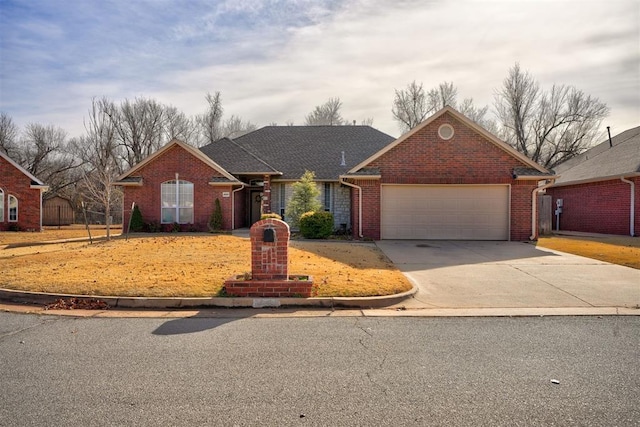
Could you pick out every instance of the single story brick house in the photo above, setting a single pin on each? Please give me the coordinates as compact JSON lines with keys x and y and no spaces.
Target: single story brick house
{"x":20,"y":197}
{"x":448,"y":178}
{"x":600,"y":189}
{"x":249,"y":175}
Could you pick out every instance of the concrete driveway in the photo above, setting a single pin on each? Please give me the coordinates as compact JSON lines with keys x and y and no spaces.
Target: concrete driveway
{"x":466,"y":274}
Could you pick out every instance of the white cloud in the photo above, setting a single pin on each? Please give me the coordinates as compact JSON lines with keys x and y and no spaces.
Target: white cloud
{"x":276,"y":60}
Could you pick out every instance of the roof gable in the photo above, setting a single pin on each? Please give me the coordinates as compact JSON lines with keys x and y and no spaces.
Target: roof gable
{"x":604,"y":161}
{"x":329,"y":151}
{"x":34,"y":180}
{"x":465,"y":121}
{"x":191,"y":150}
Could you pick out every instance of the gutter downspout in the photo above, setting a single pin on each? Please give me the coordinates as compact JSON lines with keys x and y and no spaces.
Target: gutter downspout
{"x":233,"y":206}
{"x":632,"y":209}
{"x":348,"y":184}
{"x":534,"y":208}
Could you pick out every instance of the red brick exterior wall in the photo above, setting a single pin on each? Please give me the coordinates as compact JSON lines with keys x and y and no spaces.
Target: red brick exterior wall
{"x":467,"y":158}
{"x":14,"y":182}
{"x":189,"y":168}
{"x":598,"y":207}
{"x":270,"y":260}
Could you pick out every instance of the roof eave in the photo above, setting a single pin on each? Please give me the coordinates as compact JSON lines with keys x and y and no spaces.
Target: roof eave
{"x":597,"y":179}
{"x":369,"y":177}
{"x":258,"y":173}
{"x":536,"y":177}
{"x":226,"y":184}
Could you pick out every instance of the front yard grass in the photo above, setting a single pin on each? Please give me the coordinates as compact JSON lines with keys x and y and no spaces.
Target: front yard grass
{"x":622,"y":250}
{"x":185,"y":265}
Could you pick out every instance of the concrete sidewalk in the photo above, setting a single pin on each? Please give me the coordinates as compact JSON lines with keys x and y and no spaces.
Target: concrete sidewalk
{"x":483,"y":275}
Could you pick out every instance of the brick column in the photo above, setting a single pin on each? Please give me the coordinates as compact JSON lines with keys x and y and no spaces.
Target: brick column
{"x":266,"y":194}
{"x":269,"y":260}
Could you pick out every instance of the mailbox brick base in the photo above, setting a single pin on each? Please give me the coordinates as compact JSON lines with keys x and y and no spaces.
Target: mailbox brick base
{"x":269,"y":288}
{"x":269,"y":266}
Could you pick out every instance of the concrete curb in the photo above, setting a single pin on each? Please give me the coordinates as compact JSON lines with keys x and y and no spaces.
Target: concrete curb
{"x":211,"y":302}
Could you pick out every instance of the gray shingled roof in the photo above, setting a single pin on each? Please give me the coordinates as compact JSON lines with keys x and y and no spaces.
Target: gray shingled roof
{"x":603,"y":161}
{"x":530,"y":172}
{"x":293,"y":149}
{"x":235,"y":159}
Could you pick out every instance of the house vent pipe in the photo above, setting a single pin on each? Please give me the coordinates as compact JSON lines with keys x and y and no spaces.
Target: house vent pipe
{"x":343,"y":162}
{"x":632,"y":209}
{"x":609,"y":132}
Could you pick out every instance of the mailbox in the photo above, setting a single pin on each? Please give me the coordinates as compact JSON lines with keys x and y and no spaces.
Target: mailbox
{"x":269,"y":235}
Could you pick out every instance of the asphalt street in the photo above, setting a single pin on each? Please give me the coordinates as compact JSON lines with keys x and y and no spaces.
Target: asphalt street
{"x":319,"y":371}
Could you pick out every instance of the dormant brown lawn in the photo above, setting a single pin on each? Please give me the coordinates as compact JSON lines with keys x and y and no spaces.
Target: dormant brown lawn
{"x":184,"y":265}
{"x":622,"y":250}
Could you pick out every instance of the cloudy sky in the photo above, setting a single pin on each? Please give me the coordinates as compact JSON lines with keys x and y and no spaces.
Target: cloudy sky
{"x":275,"y":60}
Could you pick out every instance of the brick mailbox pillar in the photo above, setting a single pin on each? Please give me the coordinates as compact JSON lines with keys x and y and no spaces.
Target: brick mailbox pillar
{"x":269,"y":265}
{"x":270,"y":250}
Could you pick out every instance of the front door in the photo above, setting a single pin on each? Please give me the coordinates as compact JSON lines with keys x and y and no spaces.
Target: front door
{"x":256,"y":206}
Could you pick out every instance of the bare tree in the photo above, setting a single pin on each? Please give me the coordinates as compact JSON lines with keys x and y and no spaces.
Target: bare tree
{"x":234,"y":127}
{"x":139,"y":125}
{"x":441,"y":96}
{"x":326,"y":114}
{"x":411,"y":106}
{"x":8,"y":134}
{"x":548,"y":127}
{"x":478,"y":115}
{"x":177,"y":125}
{"x":44,"y":152}
{"x":211,"y":121}
{"x":98,"y":151}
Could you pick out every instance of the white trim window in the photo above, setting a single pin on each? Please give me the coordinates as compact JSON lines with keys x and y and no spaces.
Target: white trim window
{"x":327,"y":197}
{"x":13,"y":208}
{"x":177,"y":202}
{"x":1,"y":205}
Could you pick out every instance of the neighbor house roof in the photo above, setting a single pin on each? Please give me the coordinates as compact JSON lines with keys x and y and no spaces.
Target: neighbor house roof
{"x":544,"y":173}
{"x":328,"y":151}
{"x":602,"y":162}
{"x":35,"y":182}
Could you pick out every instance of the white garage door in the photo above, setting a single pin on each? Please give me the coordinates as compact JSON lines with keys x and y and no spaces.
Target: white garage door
{"x":457,"y":212}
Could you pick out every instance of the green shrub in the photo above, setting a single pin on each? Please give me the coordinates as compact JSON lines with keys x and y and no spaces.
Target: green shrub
{"x":316,"y":225}
{"x":270,"y":216}
{"x":304,"y":199}
{"x":215,"y":222}
{"x":137,"y":223}
{"x":153,"y":227}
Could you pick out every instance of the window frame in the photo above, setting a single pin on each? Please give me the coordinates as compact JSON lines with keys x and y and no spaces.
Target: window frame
{"x":327,"y":197}
{"x":14,"y":217}
{"x":1,"y":205}
{"x":181,"y":202}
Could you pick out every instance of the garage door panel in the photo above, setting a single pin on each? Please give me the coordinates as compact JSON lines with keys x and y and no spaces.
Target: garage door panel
{"x":445,"y":212}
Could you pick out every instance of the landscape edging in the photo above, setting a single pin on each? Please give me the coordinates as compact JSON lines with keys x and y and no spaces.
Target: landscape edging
{"x":195,"y":302}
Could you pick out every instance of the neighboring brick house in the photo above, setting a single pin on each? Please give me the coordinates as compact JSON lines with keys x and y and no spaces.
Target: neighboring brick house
{"x":446,"y":179}
{"x":600,"y":189}
{"x":20,"y":197}
{"x":250,"y":175}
